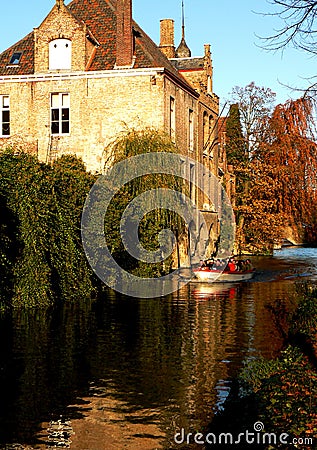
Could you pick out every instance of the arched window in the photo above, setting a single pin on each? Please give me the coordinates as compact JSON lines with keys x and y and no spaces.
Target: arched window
{"x":60,"y":54}
{"x":212,"y":134}
{"x":209,"y":84}
{"x":191,"y":130}
{"x":205,"y":129}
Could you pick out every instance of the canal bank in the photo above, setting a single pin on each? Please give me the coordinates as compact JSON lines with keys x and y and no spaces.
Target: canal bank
{"x":130,"y":373}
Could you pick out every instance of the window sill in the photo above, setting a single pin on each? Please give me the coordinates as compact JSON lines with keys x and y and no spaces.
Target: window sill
{"x":59,"y":70}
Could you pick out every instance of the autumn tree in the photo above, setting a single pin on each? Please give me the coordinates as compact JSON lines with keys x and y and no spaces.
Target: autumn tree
{"x":292,"y":149}
{"x":255,"y":103}
{"x":276,"y":183}
{"x":282,"y":188}
{"x":246,"y":125}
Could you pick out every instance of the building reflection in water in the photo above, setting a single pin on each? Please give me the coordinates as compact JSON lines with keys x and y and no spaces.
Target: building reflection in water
{"x":129,"y":373}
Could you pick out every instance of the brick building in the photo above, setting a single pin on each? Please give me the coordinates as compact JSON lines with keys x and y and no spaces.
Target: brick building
{"x":226,"y":171}
{"x":89,"y":71}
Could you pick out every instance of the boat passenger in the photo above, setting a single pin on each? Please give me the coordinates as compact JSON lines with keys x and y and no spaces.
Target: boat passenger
{"x":247,"y":265}
{"x":232,"y":265}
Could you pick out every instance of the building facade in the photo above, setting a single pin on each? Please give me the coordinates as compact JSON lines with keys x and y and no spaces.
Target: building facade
{"x":89,"y":72}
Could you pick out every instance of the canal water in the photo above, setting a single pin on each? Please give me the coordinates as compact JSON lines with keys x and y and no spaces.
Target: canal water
{"x":125,"y":373}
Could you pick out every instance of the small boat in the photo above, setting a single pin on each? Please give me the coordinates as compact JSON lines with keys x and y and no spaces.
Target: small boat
{"x":212,"y":276}
{"x":234,"y":271}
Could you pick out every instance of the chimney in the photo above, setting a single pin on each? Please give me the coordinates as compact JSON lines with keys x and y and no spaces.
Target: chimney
{"x":167,"y":37}
{"x":124,"y":47}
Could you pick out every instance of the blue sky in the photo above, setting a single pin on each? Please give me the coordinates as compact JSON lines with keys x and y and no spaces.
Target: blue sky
{"x":230,"y":26}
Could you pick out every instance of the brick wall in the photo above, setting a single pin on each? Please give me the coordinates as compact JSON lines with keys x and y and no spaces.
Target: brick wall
{"x":60,"y":23}
{"x":167,"y":37}
{"x":124,"y":37}
{"x":100,"y":108}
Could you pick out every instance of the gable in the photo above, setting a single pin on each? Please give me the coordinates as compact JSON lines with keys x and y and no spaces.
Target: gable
{"x":60,"y":42}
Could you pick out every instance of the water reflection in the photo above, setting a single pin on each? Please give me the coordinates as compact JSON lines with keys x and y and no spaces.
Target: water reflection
{"x":129,"y":373}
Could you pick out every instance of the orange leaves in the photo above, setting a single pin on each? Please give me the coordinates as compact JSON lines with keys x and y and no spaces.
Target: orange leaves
{"x":276,"y":184}
{"x":290,"y":154}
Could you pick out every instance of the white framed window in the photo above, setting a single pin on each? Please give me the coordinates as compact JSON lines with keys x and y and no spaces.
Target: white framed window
{"x":60,"y":54}
{"x":172,"y":119}
{"x":60,"y":112}
{"x":191,"y":130}
{"x":4,"y":115}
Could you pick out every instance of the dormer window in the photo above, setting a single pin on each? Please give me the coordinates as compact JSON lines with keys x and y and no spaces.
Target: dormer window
{"x":60,"y":54}
{"x":15,"y":58}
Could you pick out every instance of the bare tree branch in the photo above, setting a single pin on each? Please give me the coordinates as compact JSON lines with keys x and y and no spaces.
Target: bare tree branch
{"x":300,"y":25}
{"x":299,"y":30}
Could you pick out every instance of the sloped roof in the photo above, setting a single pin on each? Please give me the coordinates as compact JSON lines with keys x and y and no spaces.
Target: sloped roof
{"x":187,"y":64}
{"x":100,"y":18}
{"x":26,"y":66}
{"x":183,"y":51}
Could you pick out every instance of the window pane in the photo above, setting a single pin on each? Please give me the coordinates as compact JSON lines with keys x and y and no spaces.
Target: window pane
{"x":5,"y":101}
{"x":55,"y":100}
{"x":65,"y":100}
{"x":55,"y":114}
{"x":15,"y":59}
{"x":5,"y":116}
{"x":55,"y":128}
{"x":65,"y":127}
{"x":65,"y":114}
{"x":5,"y":129}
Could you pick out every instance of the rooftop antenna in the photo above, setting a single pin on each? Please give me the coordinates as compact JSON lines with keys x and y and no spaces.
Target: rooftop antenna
{"x":183,"y":51}
{"x":183,"y":21}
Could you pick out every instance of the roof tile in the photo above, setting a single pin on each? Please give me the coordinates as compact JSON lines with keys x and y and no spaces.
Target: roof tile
{"x":26,"y":65}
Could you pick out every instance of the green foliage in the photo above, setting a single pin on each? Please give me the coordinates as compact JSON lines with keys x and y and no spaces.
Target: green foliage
{"x":235,"y":142}
{"x":286,"y":392}
{"x":257,"y":370}
{"x":41,"y":254}
{"x":128,"y":145}
{"x":286,"y":388}
{"x":304,"y":320}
